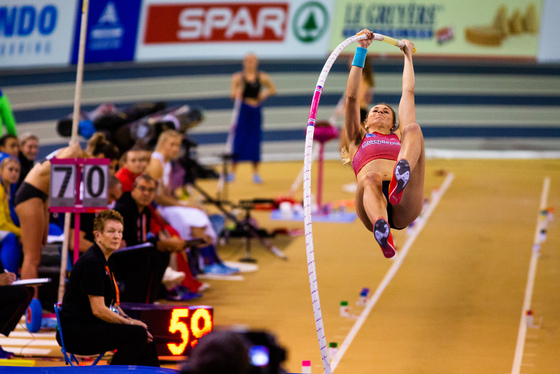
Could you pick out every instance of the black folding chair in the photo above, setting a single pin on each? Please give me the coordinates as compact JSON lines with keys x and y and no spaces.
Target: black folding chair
{"x":69,"y":358}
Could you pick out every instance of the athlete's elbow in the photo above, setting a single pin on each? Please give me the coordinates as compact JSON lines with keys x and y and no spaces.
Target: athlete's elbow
{"x":351,"y":99}
{"x":408,"y":89}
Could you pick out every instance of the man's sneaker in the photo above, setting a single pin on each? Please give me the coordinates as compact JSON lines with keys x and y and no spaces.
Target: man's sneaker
{"x":218,"y":269}
{"x":401,"y":176}
{"x":230,"y":269}
{"x":181,"y":293}
{"x":184,"y":289}
{"x":230,"y":177}
{"x":383,"y":236}
{"x":257,"y":179}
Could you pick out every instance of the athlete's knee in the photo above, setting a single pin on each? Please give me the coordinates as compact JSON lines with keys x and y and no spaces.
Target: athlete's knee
{"x":32,"y":253}
{"x":412,"y":129}
{"x":372,"y":179}
{"x":32,"y":260}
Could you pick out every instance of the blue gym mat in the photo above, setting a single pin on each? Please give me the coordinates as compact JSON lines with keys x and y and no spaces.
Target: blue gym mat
{"x":333,"y":217}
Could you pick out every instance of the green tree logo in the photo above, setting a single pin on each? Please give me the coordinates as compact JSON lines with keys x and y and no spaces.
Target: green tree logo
{"x":310,"y":22}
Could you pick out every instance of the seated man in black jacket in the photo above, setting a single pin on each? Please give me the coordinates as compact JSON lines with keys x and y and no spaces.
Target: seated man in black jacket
{"x":140,"y":271}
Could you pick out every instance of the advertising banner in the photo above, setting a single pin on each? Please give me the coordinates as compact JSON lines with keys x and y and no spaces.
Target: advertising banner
{"x":228,"y":29}
{"x":477,"y":28}
{"x":111,"y":32}
{"x":36,"y":32}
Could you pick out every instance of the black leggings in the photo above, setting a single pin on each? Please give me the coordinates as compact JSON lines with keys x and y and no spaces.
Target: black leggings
{"x":130,"y":342}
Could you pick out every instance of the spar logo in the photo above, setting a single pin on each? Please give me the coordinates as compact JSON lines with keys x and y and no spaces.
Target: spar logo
{"x":216,"y":22}
{"x":310,"y":22}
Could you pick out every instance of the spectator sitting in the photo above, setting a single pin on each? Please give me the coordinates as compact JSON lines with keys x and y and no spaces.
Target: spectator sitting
{"x":9,"y":146}
{"x":135,"y":161}
{"x":91,"y":319}
{"x":189,"y":221}
{"x":132,"y":267}
{"x":9,"y":232}
{"x":28,"y":149}
{"x":134,"y":164}
{"x":114,"y":192}
{"x":14,"y":300}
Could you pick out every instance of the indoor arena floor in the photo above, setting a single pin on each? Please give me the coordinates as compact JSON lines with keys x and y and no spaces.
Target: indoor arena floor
{"x":455,"y":304}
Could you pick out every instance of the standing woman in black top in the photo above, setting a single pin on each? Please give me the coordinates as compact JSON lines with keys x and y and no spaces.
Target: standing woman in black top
{"x":252,"y":87}
{"x":91,"y":318}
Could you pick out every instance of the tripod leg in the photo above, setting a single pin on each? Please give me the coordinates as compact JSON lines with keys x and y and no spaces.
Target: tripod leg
{"x":249,"y":228}
{"x":248,"y":257}
{"x":264,"y":242}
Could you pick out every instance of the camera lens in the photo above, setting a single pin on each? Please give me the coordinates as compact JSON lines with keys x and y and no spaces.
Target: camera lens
{"x":259,"y":355}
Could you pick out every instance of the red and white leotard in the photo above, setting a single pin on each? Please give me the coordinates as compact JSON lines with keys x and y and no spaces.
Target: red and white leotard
{"x":374,"y":146}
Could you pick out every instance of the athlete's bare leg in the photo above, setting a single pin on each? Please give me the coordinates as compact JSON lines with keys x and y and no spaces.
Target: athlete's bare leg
{"x":32,"y":219}
{"x":412,"y":202}
{"x":370,"y":202}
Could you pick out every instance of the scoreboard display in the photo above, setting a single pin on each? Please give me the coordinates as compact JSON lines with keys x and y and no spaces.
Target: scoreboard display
{"x":176,"y":329}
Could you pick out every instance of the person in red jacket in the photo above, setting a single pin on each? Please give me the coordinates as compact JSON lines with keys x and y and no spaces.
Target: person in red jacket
{"x":134,"y":164}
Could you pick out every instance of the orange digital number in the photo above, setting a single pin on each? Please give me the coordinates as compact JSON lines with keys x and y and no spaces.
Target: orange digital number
{"x":177,"y":325}
{"x":203,"y":314}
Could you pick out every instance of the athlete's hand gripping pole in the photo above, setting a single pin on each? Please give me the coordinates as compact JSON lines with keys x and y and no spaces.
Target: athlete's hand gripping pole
{"x":387,"y":39}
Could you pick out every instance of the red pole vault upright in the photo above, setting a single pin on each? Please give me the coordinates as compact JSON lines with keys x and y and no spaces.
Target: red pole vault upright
{"x":67,"y":194}
{"x":324,"y":132}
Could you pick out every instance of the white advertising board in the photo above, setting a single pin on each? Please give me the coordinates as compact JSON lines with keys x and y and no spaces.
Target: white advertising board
{"x":36,"y":32}
{"x":228,"y":29}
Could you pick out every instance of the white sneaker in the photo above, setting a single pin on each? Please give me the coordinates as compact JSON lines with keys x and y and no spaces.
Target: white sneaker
{"x":203,"y":287}
{"x":172,"y":278}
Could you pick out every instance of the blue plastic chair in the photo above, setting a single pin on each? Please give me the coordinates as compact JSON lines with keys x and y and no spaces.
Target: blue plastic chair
{"x":68,"y":357}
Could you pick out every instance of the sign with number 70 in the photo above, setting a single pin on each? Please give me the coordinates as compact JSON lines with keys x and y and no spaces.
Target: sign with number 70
{"x":66,"y":187}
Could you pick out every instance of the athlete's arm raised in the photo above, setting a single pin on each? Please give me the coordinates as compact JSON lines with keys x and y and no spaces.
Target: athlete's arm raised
{"x":353,"y":127}
{"x":407,"y":107}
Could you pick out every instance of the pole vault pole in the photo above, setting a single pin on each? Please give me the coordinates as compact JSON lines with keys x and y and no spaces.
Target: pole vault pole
{"x":74,"y":140}
{"x":307,"y":162}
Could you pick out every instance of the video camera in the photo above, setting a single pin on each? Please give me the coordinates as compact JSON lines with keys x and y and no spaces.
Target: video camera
{"x":265,"y":354}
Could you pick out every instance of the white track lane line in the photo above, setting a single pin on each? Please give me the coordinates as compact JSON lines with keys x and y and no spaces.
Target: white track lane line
{"x":392,"y":270}
{"x":518,"y":358}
